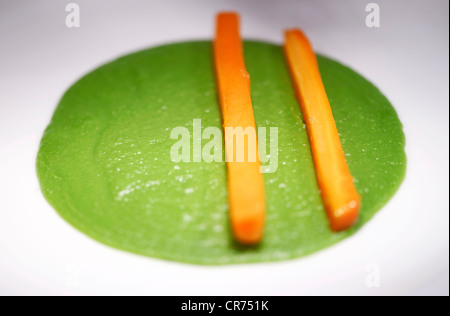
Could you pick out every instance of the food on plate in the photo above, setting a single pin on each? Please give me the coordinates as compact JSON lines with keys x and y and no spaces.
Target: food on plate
{"x":245,"y":181}
{"x":341,"y":200}
{"x":105,"y":160}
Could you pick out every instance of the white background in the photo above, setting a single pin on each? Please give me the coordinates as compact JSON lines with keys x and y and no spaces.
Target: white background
{"x":407,"y":58}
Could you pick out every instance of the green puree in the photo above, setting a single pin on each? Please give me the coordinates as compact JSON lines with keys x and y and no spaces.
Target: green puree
{"x":104,"y":162}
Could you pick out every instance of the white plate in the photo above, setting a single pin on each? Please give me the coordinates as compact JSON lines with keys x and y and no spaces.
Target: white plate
{"x":405,"y":247}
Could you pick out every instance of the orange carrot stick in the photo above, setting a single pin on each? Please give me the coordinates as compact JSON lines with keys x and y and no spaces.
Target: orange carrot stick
{"x":341,"y":200}
{"x":245,"y":181}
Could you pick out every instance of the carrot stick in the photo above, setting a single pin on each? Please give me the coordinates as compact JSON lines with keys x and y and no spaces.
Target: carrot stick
{"x":245,"y":181}
{"x":339,"y":195}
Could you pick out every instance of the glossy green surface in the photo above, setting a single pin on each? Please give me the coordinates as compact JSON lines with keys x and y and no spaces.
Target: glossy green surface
{"x":104,"y":162}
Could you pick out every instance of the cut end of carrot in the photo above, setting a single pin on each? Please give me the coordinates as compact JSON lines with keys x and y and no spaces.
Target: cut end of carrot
{"x":345,"y":216}
{"x":227,"y":26}
{"x":228,"y":14}
{"x":294,"y":32}
{"x":249,"y":231}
